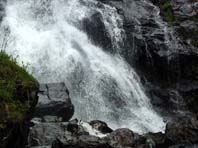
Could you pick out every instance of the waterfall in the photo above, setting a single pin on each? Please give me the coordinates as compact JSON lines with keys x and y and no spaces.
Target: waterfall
{"x":42,"y":34}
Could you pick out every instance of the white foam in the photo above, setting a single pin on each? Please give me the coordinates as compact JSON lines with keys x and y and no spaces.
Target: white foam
{"x":102,"y":86}
{"x":88,"y":128}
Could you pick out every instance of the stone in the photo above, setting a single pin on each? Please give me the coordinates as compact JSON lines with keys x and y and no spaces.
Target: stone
{"x":100,"y":126}
{"x":54,"y":103}
{"x":121,"y":137}
{"x":183,"y":131}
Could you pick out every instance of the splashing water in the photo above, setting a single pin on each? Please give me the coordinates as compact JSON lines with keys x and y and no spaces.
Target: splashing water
{"x":102,"y":86}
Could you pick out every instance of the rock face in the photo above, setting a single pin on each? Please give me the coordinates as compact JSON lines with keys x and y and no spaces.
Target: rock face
{"x":54,"y":130}
{"x":185,"y":17}
{"x":99,"y":37}
{"x":153,"y":44}
{"x":184,"y":131}
{"x":54,"y":101}
{"x":182,"y":15}
{"x":42,"y":134}
{"x":181,"y":133}
{"x":54,"y":108}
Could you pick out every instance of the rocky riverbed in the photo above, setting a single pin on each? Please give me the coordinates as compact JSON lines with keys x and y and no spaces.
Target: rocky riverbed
{"x":53,"y":127}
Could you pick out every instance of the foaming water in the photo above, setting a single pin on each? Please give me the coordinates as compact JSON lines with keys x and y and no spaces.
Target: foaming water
{"x":102,"y":86}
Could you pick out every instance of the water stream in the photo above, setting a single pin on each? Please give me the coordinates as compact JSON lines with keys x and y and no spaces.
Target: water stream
{"x":42,"y":35}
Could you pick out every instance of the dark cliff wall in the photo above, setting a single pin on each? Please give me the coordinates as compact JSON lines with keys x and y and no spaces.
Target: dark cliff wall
{"x":182,"y":15}
{"x":161,"y":47}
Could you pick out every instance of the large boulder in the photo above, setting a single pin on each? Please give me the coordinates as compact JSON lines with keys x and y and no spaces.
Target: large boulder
{"x":54,"y":108}
{"x":42,"y":134}
{"x":63,"y":135}
{"x":54,"y":103}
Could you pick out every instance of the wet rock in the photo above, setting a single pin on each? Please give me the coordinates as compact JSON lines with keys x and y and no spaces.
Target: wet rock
{"x":75,"y":128}
{"x":42,"y":134}
{"x":168,"y":102}
{"x":100,"y":126}
{"x":184,"y":146}
{"x":163,"y":58}
{"x":54,"y":103}
{"x":121,"y":138}
{"x":179,"y":133}
{"x":184,"y":131}
{"x":2,"y":9}
{"x":84,"y":141}
{"x":92,"y":142}
{"x":96,"y":31}
{"x":156,"y":140}
{"x":54,"y":108}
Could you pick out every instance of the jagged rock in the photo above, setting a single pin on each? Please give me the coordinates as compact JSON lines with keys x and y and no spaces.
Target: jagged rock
{"x":54,"y":103}
{"x":100,"y":126}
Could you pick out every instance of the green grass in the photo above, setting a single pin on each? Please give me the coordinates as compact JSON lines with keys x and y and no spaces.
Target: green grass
{"x":17,"y":91}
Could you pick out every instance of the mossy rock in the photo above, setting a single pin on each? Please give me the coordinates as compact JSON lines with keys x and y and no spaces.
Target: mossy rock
{"x":18,"y":94}
{"x":167,"y":11}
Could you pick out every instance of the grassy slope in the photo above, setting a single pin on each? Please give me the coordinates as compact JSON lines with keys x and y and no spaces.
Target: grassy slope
{"x":17,"y":92}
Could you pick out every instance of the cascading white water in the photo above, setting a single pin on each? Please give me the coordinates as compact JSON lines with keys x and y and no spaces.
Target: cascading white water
{"x":102,"y":86}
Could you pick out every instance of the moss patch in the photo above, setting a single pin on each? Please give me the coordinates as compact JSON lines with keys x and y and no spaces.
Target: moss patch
{"x":17,"y":92}
{"x":168,"y":12}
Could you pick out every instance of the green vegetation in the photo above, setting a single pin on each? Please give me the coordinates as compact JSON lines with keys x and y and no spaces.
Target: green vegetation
{"x":168,"y":12}
{"x":17,"y":92}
